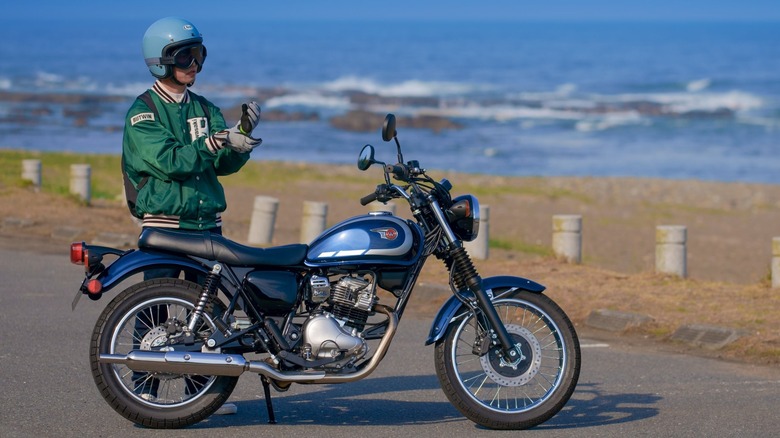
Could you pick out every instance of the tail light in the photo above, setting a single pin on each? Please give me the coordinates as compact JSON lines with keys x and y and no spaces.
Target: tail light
{"x":78,"y":253}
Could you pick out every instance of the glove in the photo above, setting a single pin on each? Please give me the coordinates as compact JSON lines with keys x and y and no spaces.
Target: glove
{"x":232,"y":138}
{"x":250,"y":117}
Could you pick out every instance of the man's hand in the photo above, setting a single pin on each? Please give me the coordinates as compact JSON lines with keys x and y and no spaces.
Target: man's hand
{"x":234,"y":139}
{"x":250,"y":117}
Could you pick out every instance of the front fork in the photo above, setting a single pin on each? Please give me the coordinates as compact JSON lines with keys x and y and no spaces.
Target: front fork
{"x":465,"y":274}
{"x":510,"y":351}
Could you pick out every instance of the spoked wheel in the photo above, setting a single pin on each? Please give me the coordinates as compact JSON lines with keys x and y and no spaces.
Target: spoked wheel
{"x":517,"y":394}
{"x":151,"y":316}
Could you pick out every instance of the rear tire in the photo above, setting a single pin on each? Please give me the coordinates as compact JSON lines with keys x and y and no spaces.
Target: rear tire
{"x":497,"y":395}
{"x":135,"y":320}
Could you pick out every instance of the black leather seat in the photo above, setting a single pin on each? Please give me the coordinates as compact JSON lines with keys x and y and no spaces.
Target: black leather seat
{"x":215,"y":247}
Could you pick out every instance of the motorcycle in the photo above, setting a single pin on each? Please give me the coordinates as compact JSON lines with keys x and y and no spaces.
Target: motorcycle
{"x":168,"y":352}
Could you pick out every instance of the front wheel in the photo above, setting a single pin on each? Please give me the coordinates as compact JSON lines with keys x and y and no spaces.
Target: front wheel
{"x":151,"y":316}
{"x":521,"y":394}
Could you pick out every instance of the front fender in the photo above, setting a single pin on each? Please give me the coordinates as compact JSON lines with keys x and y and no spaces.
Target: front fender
{"x":453,"y":305}
{"x":140,"y":260}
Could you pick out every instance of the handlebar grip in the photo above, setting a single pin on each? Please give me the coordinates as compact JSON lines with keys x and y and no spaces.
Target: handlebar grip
{"x":399,"y":171}
{"x":365,"y":200}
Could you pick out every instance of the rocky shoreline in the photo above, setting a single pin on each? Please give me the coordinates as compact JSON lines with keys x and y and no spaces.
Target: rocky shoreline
{"x":428,"y":112}
{"x":79,"y":110}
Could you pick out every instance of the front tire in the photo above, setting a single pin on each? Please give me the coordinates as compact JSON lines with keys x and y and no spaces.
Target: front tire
{"x":519,"y":395}
{"x":143,"y":317}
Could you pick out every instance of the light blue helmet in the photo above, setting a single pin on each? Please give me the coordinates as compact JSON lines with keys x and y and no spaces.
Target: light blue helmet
{"x":165,"y":38}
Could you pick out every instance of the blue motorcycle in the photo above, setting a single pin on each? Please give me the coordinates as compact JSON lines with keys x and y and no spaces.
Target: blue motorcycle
{"x":168,"y":352}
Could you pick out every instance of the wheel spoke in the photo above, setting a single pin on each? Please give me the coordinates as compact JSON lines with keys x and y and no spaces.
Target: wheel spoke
{"x":144,"y":325}
{"x":523,"y":385}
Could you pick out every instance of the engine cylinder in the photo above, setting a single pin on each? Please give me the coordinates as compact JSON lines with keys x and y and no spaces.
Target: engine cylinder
{"x":352,"y":299}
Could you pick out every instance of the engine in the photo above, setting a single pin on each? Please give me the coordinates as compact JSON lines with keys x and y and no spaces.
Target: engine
{"x":335,"y":328}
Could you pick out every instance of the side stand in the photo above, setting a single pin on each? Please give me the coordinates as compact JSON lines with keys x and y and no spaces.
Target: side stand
{"x":268,"y":403}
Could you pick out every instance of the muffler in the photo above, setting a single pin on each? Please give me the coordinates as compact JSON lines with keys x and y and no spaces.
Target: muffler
{"x":207,"y":364}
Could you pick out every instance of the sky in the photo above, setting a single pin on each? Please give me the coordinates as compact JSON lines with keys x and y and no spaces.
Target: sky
{"x":450,"y":10}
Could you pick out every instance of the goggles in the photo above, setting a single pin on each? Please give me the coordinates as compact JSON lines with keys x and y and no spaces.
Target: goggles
{"x":183,"y":57}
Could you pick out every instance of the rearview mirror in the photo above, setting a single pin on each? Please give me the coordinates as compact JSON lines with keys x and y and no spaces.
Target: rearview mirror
{"x":388,"y":130}
{"x":366,"y":158}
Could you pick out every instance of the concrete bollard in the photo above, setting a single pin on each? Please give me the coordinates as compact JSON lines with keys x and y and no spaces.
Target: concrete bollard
{"x":31,"y":171}
{"x":378,"y":206}
{"x":313,"y":220}
{"x":776,"y":262}
{"x":670,"y":251}
{"x":567,"y":237}
{"x":479,"y":247}
{"x":80,"y":181}
{"x":261,"y":227}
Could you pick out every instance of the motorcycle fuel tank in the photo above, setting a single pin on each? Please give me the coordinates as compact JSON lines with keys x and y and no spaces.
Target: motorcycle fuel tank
{"x":378,"y":237}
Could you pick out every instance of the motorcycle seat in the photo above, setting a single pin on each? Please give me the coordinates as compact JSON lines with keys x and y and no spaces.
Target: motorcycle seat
{"x":218,"y":248}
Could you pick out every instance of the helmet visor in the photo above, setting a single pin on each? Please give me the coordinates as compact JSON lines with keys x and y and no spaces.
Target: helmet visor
{"x":183,"y":57}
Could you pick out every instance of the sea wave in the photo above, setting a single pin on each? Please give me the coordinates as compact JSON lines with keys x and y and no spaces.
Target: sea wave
{"x":410,"y":88}
{"x":309,"y":99}
{"x":698,"y":85}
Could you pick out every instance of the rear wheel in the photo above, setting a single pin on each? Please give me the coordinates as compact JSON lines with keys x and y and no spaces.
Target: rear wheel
{"x":524,"y":393}
{"x":147,"y":316}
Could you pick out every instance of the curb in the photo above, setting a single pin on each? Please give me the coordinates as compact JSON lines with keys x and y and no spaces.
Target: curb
{"x":697,"y":335}
{"x":707,"y":336}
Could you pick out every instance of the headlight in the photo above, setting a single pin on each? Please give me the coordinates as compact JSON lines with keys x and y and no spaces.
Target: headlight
{"x":463,"y":217}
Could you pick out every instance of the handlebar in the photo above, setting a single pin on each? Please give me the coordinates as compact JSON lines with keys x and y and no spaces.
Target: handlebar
{"x":399,"y":171}
{"x":365,"y":200}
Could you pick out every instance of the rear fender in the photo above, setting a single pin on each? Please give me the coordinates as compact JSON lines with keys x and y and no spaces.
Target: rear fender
{"x":137,"y":261}
{"x":453,"y":308}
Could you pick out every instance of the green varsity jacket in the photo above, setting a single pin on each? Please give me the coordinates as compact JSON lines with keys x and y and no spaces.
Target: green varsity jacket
{"x":173,"y":161}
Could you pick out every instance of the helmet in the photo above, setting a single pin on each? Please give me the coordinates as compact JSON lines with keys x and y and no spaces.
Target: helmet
{"x":168,"y":37}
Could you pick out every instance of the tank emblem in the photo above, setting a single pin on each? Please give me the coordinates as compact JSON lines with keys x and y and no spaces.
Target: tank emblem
{"x":386,"y":233}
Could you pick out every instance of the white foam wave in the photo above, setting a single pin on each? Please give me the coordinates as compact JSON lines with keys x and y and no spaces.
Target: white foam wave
{"x":501,"y":113}
{"x":698,"y":85}
{"x":309,"y":100}
{"x":611,"y":120}
{"x":733,"y":100}
{"x":410,"y":88}
{"x":685,"y":102}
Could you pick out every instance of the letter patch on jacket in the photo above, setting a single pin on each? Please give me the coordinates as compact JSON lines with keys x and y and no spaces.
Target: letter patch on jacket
{"x":141,"y":117}
{"x":199,"y":127}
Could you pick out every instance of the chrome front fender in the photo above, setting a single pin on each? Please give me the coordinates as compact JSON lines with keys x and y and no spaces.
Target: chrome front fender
{"x":453,"y":308}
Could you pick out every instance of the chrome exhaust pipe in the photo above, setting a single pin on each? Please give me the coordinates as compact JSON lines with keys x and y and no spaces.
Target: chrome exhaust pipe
{"x":206,"y":364}
{"x":214,"y":364}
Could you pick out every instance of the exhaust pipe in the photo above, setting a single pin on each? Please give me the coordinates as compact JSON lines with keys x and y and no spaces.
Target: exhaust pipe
{"x":206,"y":364}
{"x":213,"y":364}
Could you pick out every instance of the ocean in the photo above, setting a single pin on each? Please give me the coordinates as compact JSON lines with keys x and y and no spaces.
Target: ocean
{"x":661,"y":100}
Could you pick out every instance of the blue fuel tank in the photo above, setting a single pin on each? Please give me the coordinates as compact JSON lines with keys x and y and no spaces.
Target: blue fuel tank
{"x":376,"y":238}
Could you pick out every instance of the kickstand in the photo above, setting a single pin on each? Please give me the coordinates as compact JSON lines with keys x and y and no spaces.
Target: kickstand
{"x":268,"y":403}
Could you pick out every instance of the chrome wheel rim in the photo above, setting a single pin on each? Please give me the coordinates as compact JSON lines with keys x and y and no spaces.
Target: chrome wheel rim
{"x":143,"y":328}
{"x":511,"y":387}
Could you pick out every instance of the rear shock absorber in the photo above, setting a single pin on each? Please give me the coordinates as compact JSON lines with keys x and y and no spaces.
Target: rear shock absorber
{"x":210,"y":286}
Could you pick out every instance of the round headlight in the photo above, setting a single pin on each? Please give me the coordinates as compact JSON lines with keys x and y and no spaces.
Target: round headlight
{"x":463,"y":217}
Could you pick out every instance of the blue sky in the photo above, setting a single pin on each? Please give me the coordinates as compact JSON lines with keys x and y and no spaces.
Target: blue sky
{"x":483,"y":10}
